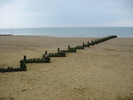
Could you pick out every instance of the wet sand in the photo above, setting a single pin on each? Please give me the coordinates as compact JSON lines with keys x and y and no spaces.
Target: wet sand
{"x":101,"y":72}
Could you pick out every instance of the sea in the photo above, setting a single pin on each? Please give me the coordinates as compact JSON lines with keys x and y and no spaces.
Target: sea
{"x":122,"y":32}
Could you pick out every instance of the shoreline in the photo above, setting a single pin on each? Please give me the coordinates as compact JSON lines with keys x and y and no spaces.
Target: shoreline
{"x":122,"y":32}
{"x":67,"y":36}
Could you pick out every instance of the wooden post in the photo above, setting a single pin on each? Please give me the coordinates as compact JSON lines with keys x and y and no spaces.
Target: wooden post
{"x":68,"y":47}
{"x":21,"y":64}
{"x":24,"y":66}
{"x":25,"y":58}
{"x":58,"y":49}
{"x":88,"y":44}
{"x":83,"y":44}
{"x":45,"y":52}
{"x":92,"y":43}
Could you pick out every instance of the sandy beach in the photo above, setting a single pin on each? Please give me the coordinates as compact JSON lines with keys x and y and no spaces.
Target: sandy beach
{"x":101,"y":72}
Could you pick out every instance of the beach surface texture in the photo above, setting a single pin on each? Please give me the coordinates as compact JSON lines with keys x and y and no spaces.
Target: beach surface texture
{"x":100,"y":72}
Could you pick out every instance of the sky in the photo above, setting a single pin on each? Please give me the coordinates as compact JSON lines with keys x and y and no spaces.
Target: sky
{"x":66,"y":13}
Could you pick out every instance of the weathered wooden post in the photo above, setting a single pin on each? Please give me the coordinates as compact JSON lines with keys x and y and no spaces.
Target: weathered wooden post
{"x":92,"y":43}
{"x":21,"y":64}
{"x":24,"y":66}
{"x":83,"y":44}
{"x":68,"y":47}
{"x":88,"y":44}
{"x":24,"y":58}
{"x":45,"y":52}
{"x":58,"y":49}
{"x":96,"y":42}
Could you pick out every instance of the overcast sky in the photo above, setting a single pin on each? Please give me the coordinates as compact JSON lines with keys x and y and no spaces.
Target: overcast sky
{"x":66,"y":13}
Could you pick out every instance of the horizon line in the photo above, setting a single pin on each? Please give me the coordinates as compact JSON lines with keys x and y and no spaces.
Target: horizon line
{"x":65,"y":27}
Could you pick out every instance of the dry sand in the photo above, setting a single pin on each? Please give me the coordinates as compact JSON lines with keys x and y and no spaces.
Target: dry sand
{"x":101,"y":72}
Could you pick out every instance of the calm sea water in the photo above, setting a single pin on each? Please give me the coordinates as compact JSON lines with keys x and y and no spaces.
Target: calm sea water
{"x":125,"y":32}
